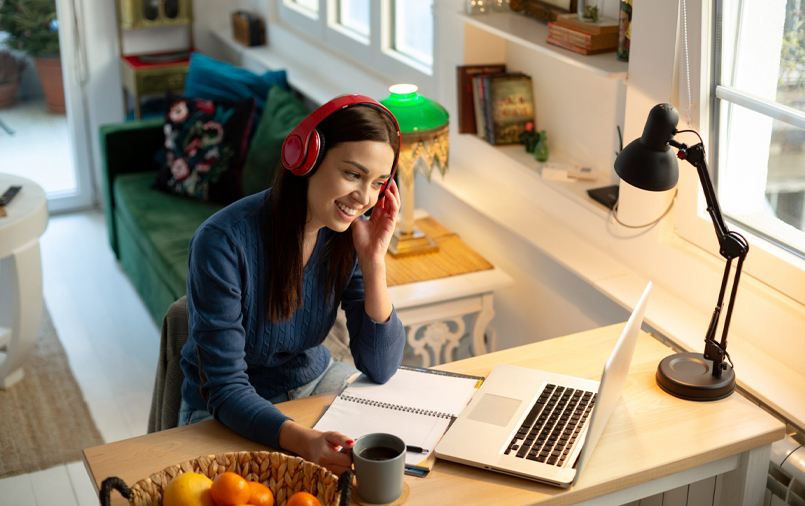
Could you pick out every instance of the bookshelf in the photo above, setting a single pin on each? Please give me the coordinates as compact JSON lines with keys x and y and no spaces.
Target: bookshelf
{"x":531,"y":34}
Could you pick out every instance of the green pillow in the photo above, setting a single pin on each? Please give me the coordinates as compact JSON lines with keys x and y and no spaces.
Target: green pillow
{"x":282,"y":113}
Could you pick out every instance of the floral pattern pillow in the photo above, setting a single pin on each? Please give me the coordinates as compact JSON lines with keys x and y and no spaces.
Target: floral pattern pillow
{"x":205,"y":142}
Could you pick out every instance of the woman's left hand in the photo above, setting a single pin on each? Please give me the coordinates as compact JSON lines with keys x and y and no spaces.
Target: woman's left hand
{"x":371,"y":237}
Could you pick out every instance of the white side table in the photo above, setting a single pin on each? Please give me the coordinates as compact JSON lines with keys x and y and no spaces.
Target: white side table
{"x":20,"y":275}
{"x":433,"y":312}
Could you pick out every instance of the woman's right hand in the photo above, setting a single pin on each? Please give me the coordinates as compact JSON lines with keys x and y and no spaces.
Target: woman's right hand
{"x":322,"y":448}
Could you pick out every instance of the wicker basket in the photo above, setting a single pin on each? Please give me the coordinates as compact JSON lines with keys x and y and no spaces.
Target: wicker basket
{"x":283,"y":474}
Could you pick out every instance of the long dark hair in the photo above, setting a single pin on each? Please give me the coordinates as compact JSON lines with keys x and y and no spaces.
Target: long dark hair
{"x":289,"y":215}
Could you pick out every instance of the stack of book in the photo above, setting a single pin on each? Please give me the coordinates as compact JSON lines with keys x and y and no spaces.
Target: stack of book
{"x":494,"y":104}
{"x":584,"y":38}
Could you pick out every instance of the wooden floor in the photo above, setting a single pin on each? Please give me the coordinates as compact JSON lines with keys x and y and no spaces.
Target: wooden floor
{"x":110,"y":340}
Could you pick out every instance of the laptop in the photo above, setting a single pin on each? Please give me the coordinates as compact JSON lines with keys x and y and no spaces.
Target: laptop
{"x":539,"y":425}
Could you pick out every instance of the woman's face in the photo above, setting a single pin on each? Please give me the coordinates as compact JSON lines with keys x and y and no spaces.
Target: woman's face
{"x":347,"y":184}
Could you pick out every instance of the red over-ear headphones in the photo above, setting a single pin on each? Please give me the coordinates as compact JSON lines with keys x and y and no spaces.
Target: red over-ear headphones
{"x":303,"y":149}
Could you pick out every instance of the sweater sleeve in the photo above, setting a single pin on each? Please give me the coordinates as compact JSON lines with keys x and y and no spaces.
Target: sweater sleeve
{"x":376,"y":347}
{"x":215,"y":280}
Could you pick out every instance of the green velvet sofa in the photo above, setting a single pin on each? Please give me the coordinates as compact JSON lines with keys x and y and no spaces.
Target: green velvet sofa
{"x":149,"y":230}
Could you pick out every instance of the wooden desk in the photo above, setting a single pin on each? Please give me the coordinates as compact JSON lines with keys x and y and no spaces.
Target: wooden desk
{"x":653,"y":442}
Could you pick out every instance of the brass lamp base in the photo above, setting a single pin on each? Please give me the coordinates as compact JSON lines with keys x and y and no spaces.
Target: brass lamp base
{"x":415,"y":243}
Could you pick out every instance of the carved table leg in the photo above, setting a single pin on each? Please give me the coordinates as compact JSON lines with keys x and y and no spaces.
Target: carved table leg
{"x":20,"y":309}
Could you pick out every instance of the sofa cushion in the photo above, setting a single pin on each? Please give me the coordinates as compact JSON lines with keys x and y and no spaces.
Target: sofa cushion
{"x":215,"y":80}
{"x":161,"y":224}
{"x":205,"y":144}
{"x":282,"y":113}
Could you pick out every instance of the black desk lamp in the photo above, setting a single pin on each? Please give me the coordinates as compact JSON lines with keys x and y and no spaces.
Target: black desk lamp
{"x":649,"y":163}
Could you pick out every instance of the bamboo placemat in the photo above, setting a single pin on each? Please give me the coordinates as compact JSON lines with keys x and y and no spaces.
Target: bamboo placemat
{"x":454,"y":257}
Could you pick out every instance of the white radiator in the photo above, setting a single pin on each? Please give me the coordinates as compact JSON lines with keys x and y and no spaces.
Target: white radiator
{"x":785,"y":485}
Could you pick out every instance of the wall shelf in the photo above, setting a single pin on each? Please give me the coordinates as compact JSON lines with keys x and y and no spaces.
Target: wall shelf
{"x":531,"y":33}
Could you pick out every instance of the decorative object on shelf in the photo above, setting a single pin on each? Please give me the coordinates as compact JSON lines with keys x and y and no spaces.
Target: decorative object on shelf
{"x":424,"y":126}
{"x":153,"y":74}
{"x":133,"y":14}
{"x":529,"y":137}
{"x":541,"y":151}
{"x":501,"y":5}
{"x":248,"y":28}
{"x":33,"y":27}
{"x":624,"y":29}
{"x":478,"y":6}
{"x":650,"y":164}
{"x":544,"y":10}
{"x":10,"y":75}
{"x":466,"y":96}
{"x":590,"y":11}
{"x":589,"y":42}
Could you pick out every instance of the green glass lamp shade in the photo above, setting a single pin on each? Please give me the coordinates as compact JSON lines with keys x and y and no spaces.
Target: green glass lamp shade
{"x":649,"y":163}
{"x":414,"y":113}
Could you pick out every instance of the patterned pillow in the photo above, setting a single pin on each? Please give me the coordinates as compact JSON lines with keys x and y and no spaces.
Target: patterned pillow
{"x":205,"y":142}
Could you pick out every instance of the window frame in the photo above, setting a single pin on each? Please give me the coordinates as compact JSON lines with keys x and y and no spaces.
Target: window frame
{"x":767,"y":262}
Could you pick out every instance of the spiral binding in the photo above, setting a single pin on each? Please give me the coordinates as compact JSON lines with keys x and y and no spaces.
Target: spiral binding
{"x":397,"y":407}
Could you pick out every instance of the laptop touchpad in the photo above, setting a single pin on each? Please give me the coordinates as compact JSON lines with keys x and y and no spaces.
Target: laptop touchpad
{"x":495,"y":409}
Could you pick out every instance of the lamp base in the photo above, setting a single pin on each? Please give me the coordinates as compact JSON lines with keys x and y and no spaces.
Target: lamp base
{"x":415,"y":243}
{"x":690,"y":376}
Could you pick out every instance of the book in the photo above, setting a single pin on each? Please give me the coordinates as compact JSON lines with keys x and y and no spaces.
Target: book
{"x":478,"y":106}
{"x":417,"y":405}
{"x":602,"y":26}
{"x":510,"y":106}
{"x":573,"y":47}
{"x":466,"y":105}
{"x":582,"y":39}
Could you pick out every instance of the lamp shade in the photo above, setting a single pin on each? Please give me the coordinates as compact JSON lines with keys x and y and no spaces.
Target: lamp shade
{"x":414,"y":113}
{"x":649,"y":163}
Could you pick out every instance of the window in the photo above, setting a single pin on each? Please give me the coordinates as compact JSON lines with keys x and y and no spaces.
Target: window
{"x":311,"y":6}
{"x":413,"y":29}
{"x":354,"y":15}
{"x":759,"y":117}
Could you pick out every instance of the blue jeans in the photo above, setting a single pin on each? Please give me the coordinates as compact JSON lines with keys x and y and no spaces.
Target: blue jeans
{"x":336,"y":376}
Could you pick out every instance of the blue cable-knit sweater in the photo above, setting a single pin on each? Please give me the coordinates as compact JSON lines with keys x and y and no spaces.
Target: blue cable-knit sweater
{"x":235,"y":358}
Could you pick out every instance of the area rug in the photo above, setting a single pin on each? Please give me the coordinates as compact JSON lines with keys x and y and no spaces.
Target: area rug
{"x":44,"y":421}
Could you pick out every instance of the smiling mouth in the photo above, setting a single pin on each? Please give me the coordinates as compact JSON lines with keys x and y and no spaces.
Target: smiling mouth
{"x":349,"y":211}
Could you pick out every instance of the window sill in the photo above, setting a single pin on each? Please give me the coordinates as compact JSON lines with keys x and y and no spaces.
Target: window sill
{"x":299,"y":77}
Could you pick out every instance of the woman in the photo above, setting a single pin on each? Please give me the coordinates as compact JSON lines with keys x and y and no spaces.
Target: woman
{"x":266,"y":275}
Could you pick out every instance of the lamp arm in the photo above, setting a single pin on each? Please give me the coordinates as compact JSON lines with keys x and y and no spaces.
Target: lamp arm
{"x":694,"y":155}
{"x":731,"y":245}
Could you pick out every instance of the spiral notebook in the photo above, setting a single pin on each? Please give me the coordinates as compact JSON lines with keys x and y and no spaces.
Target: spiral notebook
{"x":417,"y":405}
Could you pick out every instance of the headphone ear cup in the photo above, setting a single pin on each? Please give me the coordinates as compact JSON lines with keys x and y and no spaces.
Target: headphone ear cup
{"x":314,"y":159}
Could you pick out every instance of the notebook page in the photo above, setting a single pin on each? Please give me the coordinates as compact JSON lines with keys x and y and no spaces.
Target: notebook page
{"x":355,"y":420}
{"x":413,"y":388}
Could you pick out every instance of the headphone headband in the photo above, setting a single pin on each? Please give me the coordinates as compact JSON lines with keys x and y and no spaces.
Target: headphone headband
{"x":303,"y":148}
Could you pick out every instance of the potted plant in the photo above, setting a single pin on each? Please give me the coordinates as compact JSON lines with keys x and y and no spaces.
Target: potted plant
{"x":33,"y":27}
{"x":10,"y":74}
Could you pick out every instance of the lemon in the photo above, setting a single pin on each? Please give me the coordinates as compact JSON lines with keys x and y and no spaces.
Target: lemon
{"x":188,"y":489}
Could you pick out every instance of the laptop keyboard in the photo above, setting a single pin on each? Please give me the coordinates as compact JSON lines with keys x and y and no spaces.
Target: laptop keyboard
{"x":552,"y":425}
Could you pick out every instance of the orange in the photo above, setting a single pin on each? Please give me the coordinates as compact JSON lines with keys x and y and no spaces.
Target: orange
{"x":188,"y":489}
{"x":229,"y":489}
{"x":260,"y":494}
{"x":303,"y":499}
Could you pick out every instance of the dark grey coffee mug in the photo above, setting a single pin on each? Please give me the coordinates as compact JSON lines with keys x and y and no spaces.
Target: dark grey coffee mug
{"x":379,"y":461}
